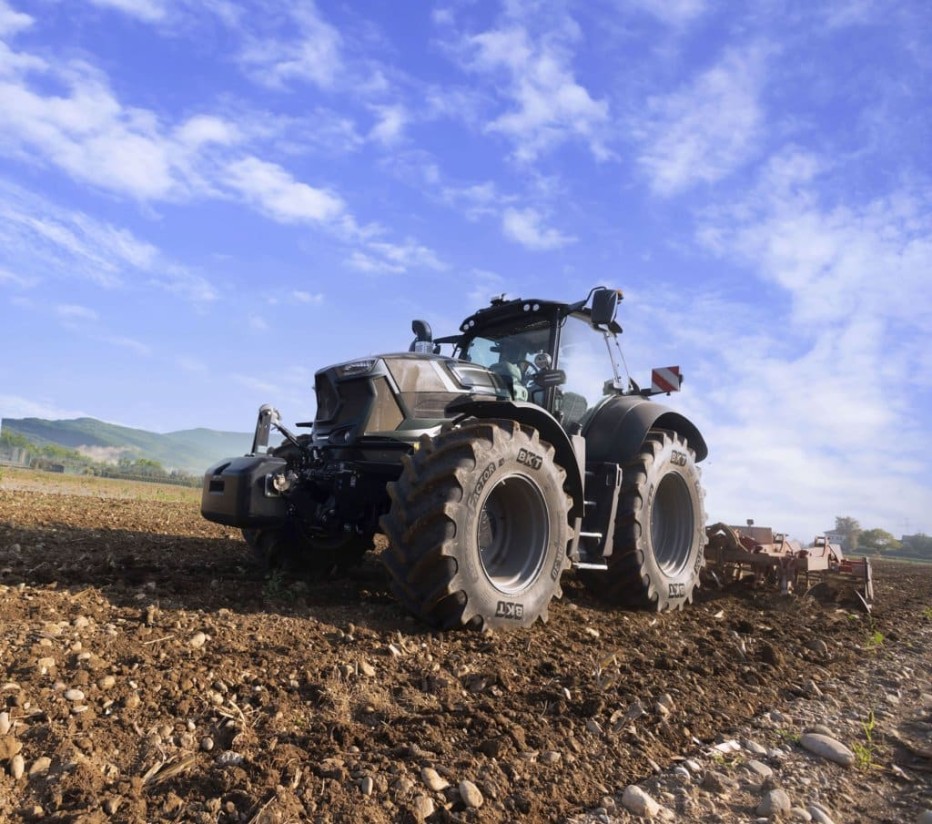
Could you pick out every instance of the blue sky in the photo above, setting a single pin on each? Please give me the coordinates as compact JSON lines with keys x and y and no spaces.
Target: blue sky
{"x":203,"y":201}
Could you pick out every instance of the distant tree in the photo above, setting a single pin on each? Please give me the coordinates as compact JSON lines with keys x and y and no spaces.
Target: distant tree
{"x":877,"y":540}
{"x":918,"y":546}
{"x":849,"y":530}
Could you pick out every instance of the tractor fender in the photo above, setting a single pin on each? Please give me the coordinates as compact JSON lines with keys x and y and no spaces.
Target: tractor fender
{"x":570,"y":452}
{"x":617,"y":428}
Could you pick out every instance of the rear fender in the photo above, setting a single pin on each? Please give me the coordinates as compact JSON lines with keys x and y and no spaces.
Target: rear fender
{"x":618,"y":427}
{"x":570,"y":452}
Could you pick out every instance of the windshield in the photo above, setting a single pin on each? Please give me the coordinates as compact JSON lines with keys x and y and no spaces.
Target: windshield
{"x":516,"y":348}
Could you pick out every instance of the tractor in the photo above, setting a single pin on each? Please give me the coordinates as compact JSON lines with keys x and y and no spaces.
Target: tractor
{"x":491,"y":470}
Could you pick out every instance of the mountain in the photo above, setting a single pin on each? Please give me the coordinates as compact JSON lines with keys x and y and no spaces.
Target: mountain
{"x":190,"y":450}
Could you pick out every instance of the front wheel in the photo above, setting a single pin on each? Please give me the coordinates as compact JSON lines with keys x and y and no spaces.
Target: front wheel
{"x":478,"y":527}
{"x":658,"y":549}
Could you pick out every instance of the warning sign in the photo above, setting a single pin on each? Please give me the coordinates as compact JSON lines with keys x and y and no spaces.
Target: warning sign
{"x":666,"y":379}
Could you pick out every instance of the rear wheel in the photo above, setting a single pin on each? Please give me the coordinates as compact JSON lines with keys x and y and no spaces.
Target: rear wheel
{"x":478,"y":527}
{"x":658,"y":549}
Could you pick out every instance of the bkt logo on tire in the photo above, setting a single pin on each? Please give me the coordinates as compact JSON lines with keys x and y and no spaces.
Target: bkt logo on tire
{"x":677,"y":591}
{"x":529,"y":459}
{"x":509,"y":609}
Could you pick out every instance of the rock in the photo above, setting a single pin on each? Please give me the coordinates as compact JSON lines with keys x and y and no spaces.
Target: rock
{"x":111,"y":805}
{"x":550,"y":757}
{"x":433,"y":779}
{"x":760,"y":770}
{"x":799,"y":814}
{"x":775,"y":803}
{"x":366,"y":785}
{"x":754,"y":748}
{"x":5,"y":724}
{"x":9,"y":747}
{"x":106,"y":682}
{"x":197,"y":640}
{"x":229,"y":758}
{"x":40,"y":766}
{"x":470,"y":794}
{"x":818,"y":645}
{"x":811,"y":689}
{"x":74,"y":695}
{"x":827,"y":747}
{"x":366,"y":669}
{"x":423,"y":808}
{"x":207,"y":743}
{"x":638,"y":802}
{"x":819,"y":814}
{"x":17,"y":767}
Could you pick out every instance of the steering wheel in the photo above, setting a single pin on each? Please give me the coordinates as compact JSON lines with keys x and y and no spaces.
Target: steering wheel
{"x":526,"y":367}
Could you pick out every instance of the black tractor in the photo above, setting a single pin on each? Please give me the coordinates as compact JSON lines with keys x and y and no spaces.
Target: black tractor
{"x":491,"y":470}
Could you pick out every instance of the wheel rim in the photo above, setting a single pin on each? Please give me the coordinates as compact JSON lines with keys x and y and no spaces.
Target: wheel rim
{"x":672,"y":525}
{"x":513,"y":534}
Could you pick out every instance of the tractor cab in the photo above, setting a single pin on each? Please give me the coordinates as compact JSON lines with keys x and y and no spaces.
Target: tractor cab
{"x":562,"y":357}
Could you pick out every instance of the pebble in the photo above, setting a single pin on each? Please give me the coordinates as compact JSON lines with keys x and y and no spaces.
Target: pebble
{"x":433,"y":779}
{"x":636,"y":801}
{"x":754,"y":748}
{"x":550,"y":757}
{"x":106,"y":682}
{"x":9,"y":747}
{"x":799,"y":814}
{"x":423,"y":808}
{"x":207,"y":743}
{"x":74,"y":695}
{"x":761,"y":770}
{"x":366,"y":785}
{"x":826,"y":747}
{"x":470,"y":794}
{"x":229,"y":758}
{"x":5,"y":724}
{"x":17,"y":767}
{"x":40,"y":766}
{"x":198,"y":640}
{"x":820,"y":815}
{"x":775,"y":803}
{"x":366,"y":669}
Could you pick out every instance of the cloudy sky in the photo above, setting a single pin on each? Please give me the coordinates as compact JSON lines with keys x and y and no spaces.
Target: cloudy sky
{"x":203,"y":201}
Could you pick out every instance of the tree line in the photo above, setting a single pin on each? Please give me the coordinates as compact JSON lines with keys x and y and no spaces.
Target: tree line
{"x":881,"y":542}
{"x":53,"y":457}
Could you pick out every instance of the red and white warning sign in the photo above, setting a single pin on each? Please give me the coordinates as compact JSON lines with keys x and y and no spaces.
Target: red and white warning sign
{"x":665,"y":379}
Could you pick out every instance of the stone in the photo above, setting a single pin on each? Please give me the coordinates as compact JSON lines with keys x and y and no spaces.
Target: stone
{"x":197,"y":640}
{"x":9,"y":747}
{"x":422,"y":808}
{"x":5,"y":723}
{"x":760,"y":770}
{"x":40,"y":766}
{"x":366,"y":785}
{"x":74,"y":695}
{"x":470,"y":794}
{"x":638,"y":802}
{"x":775,"y":803}
{"x":17,"y":767}
{"x":106,"y":682}
{"x":827,"y":747}
{"x":799,"y":814}
{"x":433,"y":779}
{"x":366,"y":669}
{"x":820,"y":815}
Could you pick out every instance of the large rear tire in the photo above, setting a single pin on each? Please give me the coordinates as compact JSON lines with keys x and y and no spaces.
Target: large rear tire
{"x":478,"y":528}
{"x":659,"y":542}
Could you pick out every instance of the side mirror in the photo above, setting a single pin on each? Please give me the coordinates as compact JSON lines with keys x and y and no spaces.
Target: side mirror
{"x":604,"y":306}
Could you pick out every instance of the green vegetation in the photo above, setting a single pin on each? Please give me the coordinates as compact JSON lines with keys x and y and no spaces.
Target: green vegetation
{"x":864,"y":753}
{"x":881,"y":544}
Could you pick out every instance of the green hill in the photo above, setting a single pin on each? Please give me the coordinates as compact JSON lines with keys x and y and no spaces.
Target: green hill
{"x":190,"y":450}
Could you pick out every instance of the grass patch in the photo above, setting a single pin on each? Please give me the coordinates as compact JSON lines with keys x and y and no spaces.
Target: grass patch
{"x":864,"y":752}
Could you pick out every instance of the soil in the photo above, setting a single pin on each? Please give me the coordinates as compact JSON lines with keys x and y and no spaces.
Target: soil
{"x":166,"y":678}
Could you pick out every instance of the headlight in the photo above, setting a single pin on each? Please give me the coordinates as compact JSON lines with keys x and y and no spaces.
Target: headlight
{"x":360,"y":367}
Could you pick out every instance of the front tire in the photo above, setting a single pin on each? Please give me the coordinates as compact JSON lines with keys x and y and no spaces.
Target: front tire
{"x":478,"y":528}
{"x":659,"y":543}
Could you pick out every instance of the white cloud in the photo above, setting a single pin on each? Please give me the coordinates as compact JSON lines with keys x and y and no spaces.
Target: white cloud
{"x":274,"y":191}
{"x":69,"y":311}
{"x":312,"y":54}
{"x":525,"y":226}
{"x":548,"y":105}
{"x":703,"y":133}
{"x":12,"y":21}
{"x":258,"y":324}
{"x":149,"y":11}
{"x":308,"y":297}
{"x":379,"y":257}
{"x":390,"y":127}
{"x":14,"y":406}
{"x":19,"y":281}
{"x":825,"y":386}
{"x":672,"y":12}
{"x":124,"y":342}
